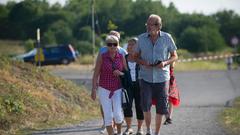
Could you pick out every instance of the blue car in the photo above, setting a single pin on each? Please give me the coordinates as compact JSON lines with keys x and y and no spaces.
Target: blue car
{"x":63,"y":54}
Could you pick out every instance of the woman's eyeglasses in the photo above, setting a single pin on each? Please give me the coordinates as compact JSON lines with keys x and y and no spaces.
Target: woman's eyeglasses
{"x":112,"y":44}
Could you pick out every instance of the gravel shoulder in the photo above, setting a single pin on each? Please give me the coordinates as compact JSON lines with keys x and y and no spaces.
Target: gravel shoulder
{"x":204,"y":95}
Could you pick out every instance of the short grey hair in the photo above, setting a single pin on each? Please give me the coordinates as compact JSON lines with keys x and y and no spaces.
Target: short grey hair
{"x":158,"y":19}
{"x":113,"y":32}
{"x":134,"y":39}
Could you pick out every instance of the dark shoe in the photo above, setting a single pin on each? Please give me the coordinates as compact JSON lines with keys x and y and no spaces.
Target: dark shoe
{"x":168,"y":121}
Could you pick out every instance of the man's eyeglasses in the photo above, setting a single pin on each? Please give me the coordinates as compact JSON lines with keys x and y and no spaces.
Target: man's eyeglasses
{"x":155,"y":24}
{"x":112,"y":44}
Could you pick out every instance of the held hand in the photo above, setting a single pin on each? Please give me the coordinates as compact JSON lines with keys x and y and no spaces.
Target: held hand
{"x":117,"y":73}
{"x":147,"y":65}
{"x":162,"y":64}
{"x":93,"y":94}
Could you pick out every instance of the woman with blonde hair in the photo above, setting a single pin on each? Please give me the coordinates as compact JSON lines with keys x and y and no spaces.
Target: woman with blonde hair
{"x":109,"y":67}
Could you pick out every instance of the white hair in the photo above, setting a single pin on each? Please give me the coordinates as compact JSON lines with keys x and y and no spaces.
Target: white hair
{"x":113,"y":32}
{"x":157,"y":18}
{"x":112,"y":39}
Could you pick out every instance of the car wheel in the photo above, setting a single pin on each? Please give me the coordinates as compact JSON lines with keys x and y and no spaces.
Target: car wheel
{"x":65,"y":61}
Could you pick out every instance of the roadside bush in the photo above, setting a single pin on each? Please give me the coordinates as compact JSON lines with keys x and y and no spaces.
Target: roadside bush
{"x":84,"y":47}
{"x":86,"y":59}
{"x":29,"y":45}
{"x":13,"y":105}
{"x":203,"y":39}
{"x":183,"y":54}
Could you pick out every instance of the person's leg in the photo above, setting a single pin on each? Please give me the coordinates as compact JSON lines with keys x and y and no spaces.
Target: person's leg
{"x":160,"y":92}
{"x":109,"y":130}
{"x":106,"y":104}
{"x":128,"y":122}
{"x":147,"y":118}
{"x":139,"y":126}
{"x":117,"y":109}
{"x":103,"y":129}
{"x":146,"y":102}
{"x":158,"y":123}
{"x":170,"y":110}
{"x":128,"y":113}
{"x":169,"y":115}
{"x":139,"y":112}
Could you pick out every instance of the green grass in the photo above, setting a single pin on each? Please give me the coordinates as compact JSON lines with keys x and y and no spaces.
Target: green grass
{"x":85,"y":59}
{"x":10,"y":48}
{"x":201,"y":65}
{"x":230,"y":118}
{"x":31,"y":98}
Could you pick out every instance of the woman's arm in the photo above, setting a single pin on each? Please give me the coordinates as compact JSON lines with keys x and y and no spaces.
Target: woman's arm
{"x":125,"y":63}
{"x":118,"y":72}
{"x":96,"y":76}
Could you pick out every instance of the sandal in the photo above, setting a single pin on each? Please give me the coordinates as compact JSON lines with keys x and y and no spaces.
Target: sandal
{"x":168,"y":121}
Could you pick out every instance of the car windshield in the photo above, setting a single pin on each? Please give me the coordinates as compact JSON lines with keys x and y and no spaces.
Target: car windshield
{"x":32,"y":52}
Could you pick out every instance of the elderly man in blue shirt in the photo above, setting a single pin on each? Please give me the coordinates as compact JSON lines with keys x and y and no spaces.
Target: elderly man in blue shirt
{"x":155,"y":51}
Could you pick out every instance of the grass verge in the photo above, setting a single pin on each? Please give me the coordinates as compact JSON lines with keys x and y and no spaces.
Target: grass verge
{"x":230,"y":118}
{"x":201,"y":65}
{"x":31,"y":99}
{"x":10,"y":48}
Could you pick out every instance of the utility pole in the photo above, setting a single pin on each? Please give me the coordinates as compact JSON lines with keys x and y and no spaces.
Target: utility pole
{"x":38,"y":47}
{"x":39,"y":57}
{"x":93,"y":33}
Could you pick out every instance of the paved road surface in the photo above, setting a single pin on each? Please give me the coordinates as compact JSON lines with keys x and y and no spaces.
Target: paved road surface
{"x":203,"y":95}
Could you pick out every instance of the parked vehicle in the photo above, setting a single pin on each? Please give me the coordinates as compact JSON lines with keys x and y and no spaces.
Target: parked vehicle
{"x":63,"y":54}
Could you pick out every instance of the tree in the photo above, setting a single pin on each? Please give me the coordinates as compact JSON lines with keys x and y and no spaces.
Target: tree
{"x":22,"y":16}
{"x":194,"y":20}
{"x":49,"y":38}
{"x":50,"y":17}
{"x":229,"y":24}
{"x":4,"y":26}
{"x":61,"y":31}
{"x":202,"y":39}
{"x":111,"y":26}
{"x":84,"y":47}
{"x":85,"y":33}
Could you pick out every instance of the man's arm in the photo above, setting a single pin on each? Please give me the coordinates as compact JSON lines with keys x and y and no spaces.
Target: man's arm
{"x":173,"y":57}
{"x":137,"y":58}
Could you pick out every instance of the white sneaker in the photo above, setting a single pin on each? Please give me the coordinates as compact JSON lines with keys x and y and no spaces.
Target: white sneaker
{"x":139,"y":132}
{"x":103,"y":130}
{"x":115,"y":131}
{"x":128,"y":131}
{"x":149,"y":132}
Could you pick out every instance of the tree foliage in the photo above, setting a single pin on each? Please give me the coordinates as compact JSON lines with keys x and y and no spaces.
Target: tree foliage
{"x":71,"y":23}
{"x":229,"y":24}
{"x":202,"y":39}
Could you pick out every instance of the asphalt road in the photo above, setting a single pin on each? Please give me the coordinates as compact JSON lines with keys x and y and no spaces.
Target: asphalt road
{"x":203,"y":95}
